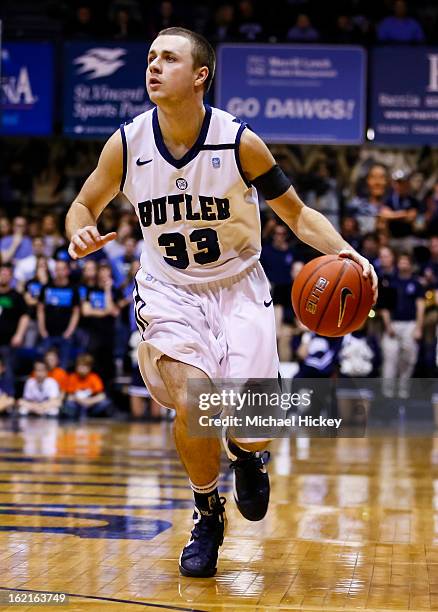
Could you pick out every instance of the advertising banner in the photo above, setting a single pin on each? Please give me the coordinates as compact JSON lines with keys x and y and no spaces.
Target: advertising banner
{"x":26,"y":88}
{"x":294,"y":93}
{"x":404,"y":95}
{"x":104,"y":86}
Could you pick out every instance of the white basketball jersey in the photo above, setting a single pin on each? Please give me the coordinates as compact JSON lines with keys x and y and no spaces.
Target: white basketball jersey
{"x":199,"y":216}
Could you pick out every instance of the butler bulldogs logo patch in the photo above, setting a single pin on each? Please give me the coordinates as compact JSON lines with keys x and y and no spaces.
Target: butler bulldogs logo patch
{"x":181,"y":183}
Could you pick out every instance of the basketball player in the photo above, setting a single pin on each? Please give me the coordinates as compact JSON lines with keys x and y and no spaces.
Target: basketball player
{"x":202,"y":300}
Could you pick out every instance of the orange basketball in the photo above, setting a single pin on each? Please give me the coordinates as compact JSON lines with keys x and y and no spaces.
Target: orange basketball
{"x":331,"y":297}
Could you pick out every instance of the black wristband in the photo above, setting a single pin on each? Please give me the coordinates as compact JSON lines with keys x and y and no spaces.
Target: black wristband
{"x":273,"y":184}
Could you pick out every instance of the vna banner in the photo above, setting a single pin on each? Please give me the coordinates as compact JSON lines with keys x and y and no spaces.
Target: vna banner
{"x":404,"y":95}
{"x":295,"y":93}
{"x":26,"y":88}
{"x":104,"y":86}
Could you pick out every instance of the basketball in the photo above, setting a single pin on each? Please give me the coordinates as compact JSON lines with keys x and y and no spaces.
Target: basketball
{"x":331,"y":297}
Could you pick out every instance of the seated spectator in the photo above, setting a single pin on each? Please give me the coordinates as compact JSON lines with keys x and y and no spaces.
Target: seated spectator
{"x":223,"y":27}
{"x":26,"y":269}
{"x":51,"y":359}
{"x":370,"y":247}
{"x":121,"y":265}
{"x":317,"y":355}
{"x":31,"y":294}
{"x":346,"y":32}
{"x":14,"y":318}
{"x":366,"y":209}
{"x":115,"y":248}
{"x":400,"y":28}
{"x":249,"y":27}
{"x":400,"y":210}
{"x":17,"y":245}
{"x":429,"y":273}
{"x":124,"y":27}
{"x":138,"y":391}
{"x":82,"y":26}
{"x":41,"y":393}
{"x":85,"y":391}
{"x":123,"y":322}
{"x":5,"y":228}
{"x":303,"y":31}
{"x":321,"y":192}
{"x":51,"y":235}
{"x":7,"y":399}
{"x":385,"y":264}
{"x":58,"y":313}
{"x":350,"y":231}
{"x":164,"y":18}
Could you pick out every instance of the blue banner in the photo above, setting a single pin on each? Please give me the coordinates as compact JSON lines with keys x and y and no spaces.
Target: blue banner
{"x":104,"y":86}
{"x":26,"y":88}
{"x":291,"y":93}
{"x":404,"y":95}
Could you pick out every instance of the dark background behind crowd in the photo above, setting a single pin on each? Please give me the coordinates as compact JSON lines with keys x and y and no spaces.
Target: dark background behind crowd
{"x":338,"y":22}
{"x":383,"y":200}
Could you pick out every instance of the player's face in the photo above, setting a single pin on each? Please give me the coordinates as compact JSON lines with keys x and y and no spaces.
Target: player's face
{"x":170,"y":75}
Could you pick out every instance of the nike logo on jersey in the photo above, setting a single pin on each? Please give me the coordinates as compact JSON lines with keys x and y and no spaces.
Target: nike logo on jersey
{"x":345,"y":293}
{"x":267,"y":304}
{"x":139,"y":162}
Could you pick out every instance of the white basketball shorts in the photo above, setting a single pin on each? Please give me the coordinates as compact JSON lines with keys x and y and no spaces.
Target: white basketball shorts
{"x":225,"y":328}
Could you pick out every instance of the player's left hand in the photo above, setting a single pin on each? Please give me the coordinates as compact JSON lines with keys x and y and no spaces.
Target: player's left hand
{"x":367,"y":268}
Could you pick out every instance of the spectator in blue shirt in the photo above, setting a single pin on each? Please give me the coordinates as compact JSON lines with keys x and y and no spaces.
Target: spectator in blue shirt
{"x":400,"y":28}
{"x":318,"y":355}
{"x":99,"y":312}
{"x":303,"y":31}
{"x":17,"y":245}
{"x":122,"y":263}
{"x":401,"y":208}
{"x":366,"y":209}
{"x":429,"y":272}
{"x":403,"y":329}
{"x":58,"y":313}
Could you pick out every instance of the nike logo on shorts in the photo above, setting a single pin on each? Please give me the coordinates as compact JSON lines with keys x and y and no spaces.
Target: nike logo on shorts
{"x":267,"y":304}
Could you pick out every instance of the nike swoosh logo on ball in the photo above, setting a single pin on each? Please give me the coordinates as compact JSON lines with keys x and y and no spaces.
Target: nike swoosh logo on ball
{"x":345,"y":293}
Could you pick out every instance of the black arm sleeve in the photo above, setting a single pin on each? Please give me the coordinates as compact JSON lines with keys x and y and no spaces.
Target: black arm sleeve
{"x":273,"y":184}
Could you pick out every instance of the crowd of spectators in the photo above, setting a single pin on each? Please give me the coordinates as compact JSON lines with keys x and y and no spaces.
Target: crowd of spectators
{"x":301,"y":21}
{"x":384,"y":202}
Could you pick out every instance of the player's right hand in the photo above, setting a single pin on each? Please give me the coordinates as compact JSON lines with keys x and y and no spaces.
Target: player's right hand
{"x":87,"y":240}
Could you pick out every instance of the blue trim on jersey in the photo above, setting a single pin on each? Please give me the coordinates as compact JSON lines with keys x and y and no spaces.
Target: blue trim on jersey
{"x":191,"y":153}
{"x":125,"y":157}
{"x":237,"y":155}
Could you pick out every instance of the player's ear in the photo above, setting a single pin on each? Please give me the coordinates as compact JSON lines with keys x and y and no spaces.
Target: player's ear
{"x":202,"y":75}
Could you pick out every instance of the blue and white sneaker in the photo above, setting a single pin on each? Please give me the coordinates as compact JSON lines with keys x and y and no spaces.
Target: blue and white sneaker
{"x":199,"y":556}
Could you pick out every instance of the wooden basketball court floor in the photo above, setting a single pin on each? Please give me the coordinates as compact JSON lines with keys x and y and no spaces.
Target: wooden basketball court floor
{"x":100,"y":511}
